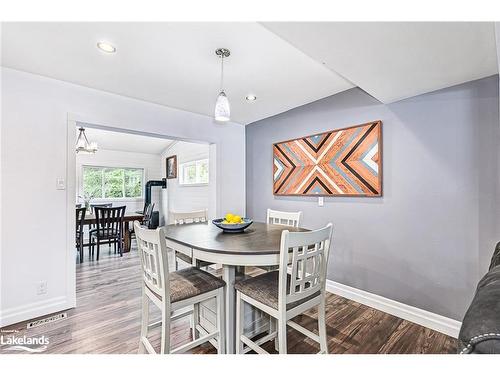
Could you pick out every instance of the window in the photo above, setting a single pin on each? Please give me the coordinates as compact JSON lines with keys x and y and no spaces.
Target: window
{"x":194,"y":172}
{"x":109,"y":183}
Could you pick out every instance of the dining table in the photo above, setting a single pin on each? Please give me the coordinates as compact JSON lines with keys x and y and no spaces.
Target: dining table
{"x":90,"y":219}
{"x":258,"y":245}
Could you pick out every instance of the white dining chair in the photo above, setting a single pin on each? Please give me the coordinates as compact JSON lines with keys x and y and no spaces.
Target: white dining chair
{"x":296,"y":287}
{"x":200,"y":216}
{"x":182,"y":218}
{"x":291,"y":219}
{"x":171,"y":292}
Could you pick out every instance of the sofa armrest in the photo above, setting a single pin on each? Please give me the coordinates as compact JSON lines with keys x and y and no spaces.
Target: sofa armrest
{"x":480,"y":331}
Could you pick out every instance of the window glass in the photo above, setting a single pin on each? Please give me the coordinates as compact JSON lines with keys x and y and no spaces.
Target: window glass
{"x":103,"y":182}
{"x":194,"y":172}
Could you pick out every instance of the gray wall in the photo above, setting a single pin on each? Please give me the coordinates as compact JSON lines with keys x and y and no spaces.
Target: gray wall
{"x":428,"y":239}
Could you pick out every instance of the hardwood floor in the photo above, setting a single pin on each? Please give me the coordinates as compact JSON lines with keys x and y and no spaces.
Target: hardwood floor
{"x":107,"y":320}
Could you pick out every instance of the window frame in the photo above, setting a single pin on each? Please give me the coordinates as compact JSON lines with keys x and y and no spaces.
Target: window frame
{"x":195,"y":162}
{"x":114,"y":199}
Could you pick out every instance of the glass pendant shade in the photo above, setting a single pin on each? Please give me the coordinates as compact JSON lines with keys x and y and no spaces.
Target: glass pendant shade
{"x":222,"y":109}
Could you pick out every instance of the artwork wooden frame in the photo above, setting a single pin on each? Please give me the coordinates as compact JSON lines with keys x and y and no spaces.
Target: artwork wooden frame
{"x":344,"y":162}
{"x":171,"y":167}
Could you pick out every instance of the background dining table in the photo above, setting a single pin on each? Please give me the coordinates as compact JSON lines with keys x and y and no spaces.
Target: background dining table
{"x":128,"y":217}
{"x":258,"y":245}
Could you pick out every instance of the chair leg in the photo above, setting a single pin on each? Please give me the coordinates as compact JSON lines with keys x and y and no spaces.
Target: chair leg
{"x":120,"y":247}
{"x":98,"y":248}
{"x":81,"y":249}
{"x":273,"y":327}
{"x":240,"y":319}
{"x":165,"y":330}
{"x":282,"y":334}
{"x":144,"y":322}
{"x":322,"y":327}
{"x":221,"y":322}
{"x":196,"y":320}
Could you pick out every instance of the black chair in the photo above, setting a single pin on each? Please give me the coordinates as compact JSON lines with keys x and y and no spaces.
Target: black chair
{"x":109,"y":228}
{"x":148,"y":214}
{"x":146,"y":220}
{"x":80,"y":217}
{"x":93,"y":206}
{"x":78,"y":205}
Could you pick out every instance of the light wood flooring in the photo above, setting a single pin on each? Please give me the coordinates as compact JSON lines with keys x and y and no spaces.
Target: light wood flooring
{"x":107,"y":320}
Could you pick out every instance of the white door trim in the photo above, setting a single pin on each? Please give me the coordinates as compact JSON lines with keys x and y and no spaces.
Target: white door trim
{"x":413,"y":314}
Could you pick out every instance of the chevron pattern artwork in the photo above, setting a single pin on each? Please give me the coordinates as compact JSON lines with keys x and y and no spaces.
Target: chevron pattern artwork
{"x":344,"y":162}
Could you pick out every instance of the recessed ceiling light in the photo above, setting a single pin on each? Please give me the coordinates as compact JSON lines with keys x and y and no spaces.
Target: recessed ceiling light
{"x":251,"y":98}
{"x":106,"y":47}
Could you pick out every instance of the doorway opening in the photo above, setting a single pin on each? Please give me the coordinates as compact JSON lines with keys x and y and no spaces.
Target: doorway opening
{"x":117,"y":175}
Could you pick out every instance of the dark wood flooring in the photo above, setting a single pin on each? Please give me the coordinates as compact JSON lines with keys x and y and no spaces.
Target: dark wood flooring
{"x":107,"y":320}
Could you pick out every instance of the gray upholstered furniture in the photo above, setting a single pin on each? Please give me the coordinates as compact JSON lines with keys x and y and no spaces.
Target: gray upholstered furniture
{"x":480,"y":332}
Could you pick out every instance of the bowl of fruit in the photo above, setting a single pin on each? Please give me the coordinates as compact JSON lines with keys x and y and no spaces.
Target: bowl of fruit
{"x":232,"y":223}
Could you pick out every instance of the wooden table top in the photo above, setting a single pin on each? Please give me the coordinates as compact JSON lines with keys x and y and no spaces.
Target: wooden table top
{"x":129,"y":216}
{"x":258,"y":239}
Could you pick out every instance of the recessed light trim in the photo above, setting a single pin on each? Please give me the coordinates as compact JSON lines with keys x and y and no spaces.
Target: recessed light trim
{"x":106,"y":47}
{"x":251,"y":98}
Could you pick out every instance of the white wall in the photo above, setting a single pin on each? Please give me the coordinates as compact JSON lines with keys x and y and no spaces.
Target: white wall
{"x":36,"y":217}
{"x":182,"y":198}
{"x":110,"y":158}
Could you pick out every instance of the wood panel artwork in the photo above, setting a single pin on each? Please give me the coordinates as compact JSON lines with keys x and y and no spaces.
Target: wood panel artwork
{"x":344,"y":162}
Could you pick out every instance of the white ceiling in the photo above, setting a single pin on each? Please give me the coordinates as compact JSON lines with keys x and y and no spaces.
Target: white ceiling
{"x":116,"y":141}
{"x":285,"y":64}
{"x":396,"y":60}
{"x":174,"y":64}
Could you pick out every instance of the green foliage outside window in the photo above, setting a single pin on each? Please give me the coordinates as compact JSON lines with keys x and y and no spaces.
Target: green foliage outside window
{"x":102,"y":182}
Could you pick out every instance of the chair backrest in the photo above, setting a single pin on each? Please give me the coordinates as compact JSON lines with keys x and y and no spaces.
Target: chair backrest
{"x":78,"y":205}
{"x":80,"y":217}
{"x":148,"y":213}
{"x":105,"y":205}
{"x":152,"y":250}
{"x":303,"y":259}
{"x":109,"y":220}
{"x":291,"y":219}
{"x":188,"y":217}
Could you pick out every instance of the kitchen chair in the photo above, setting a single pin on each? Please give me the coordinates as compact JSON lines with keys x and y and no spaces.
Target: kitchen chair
{"x":171,"y":292}
{"x":109,"y":228}
{"x":148,"y":214}
{"x":296,"y":287}
{"x":188,"y":217}
{"x":80,"y":217}
{"x":181,"y":218}
{"x":93,"y":206}
{"x":146,"y":220}
{"x":291,"y":219}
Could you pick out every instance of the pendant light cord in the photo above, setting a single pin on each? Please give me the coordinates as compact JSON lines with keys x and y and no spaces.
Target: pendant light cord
{"x":222,"y":73}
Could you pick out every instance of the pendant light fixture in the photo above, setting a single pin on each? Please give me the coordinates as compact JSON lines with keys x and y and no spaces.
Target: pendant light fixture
{"x":83,"y":145}
{"x":222,"y":109}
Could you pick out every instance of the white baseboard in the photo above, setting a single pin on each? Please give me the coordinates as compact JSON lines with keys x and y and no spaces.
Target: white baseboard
{"x":413,"y":314}
{"x":33,"y":310}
